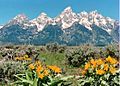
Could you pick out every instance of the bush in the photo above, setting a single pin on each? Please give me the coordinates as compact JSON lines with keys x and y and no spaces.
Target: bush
{"x":9,"y":68}
{"x":54,"y":47}
{"x":110,"y":50}
{"x":100,"y":72}
{"x":84,"y":53}
{"x":78,"y":57}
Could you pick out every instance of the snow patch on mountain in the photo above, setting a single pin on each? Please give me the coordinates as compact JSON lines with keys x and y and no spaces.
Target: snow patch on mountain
{"x":1,"y":26}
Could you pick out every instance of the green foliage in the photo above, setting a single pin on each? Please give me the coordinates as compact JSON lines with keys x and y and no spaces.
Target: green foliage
{"x":32,"y":77}
{"x":30,"y":80}
{"x":100,"y":72}
{"x":26,"y":79}
{"x":105,"y":80}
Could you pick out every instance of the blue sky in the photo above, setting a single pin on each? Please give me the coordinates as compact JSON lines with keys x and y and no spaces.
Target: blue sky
{"x":32,"y":8}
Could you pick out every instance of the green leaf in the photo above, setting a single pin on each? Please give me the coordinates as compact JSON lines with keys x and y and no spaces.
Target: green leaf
{"x":66,"y":78}
{"x":104,"y":83}
{"x":55,"y":83}
{"x":20,"y":74}
{"x":35,"y":82}
{"x":45,"y":84}
{"x":27,"y":76}
{"x":24,"y":80}
{"x":58,"y":80}
{"x":116,"y":80}
{"x":107,"y":76}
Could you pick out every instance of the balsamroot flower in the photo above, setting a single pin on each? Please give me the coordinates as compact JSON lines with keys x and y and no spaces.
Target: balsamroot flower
{"x":94,"y":63}
{"x":87,"y":66}
{"x":39,"y":68}
{"x":106,"y":67}
{"x":111,"y":60}
{"x":37,"y":63}
{"x":46,"y":73}
{"x":31,"y":66}
{"x":99,"y":61}
{"x":84,"y":72}
{"x":41,"y":76}
{"x":100,"y":72}
{"x":112,"y":70}
{"x":100,"y":66}
{"x":55,"y":69}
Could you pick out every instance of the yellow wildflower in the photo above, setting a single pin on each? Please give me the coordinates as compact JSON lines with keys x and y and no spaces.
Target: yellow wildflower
{"x":112,"y":70}
{"x":28,"y":59}
{"x":111,"y":60}
{"x":99,"y":62}
{"x":100,"y":72}
{"x":20,"y":58}
{"x":55,"y":69}
{"x":39,"y":68}
{"x":31,"y":66}
{"x":23,"y":58}
{"x":41,"y":76}
{"x":37,"y":63}
{"x":50,"y":67}
{"x":46,"y":72}
{"x":106,"y":67}
{"x":83,"y":72}
{"x":17,"y":58}
{"x":87,"y":66}
{"x":93,"y":62}
{"x":26,"y":56}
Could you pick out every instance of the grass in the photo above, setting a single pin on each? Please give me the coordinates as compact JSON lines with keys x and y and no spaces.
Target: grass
{"x":53,"y":58}
{"x":58,"y":59}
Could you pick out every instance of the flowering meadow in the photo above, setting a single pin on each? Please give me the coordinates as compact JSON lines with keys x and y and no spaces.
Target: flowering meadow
{"x":55,"y":65}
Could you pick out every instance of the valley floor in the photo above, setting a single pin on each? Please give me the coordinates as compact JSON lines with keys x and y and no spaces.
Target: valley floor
{"x":14,"y":59}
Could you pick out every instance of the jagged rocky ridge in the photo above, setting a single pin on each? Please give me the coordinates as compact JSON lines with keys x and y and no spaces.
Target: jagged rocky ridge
{"x":68,"y":28}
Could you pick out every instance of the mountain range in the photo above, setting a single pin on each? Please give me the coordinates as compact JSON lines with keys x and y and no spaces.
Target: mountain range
{"x":68,"y":28}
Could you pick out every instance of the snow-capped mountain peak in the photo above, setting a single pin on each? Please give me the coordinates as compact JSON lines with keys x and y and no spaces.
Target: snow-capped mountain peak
{"x":104,"y":22}
{"x":94,"y":17}
{"x":19,"y":19}
{"x":20,"y":16}
{"x":66,"y":11}
{"x":66,"y":19}
{"x":69,"y":9}
{"x":41,"y":21}
{"x":83,"y":19}
{"x":83,"y":14}
{"x":42,"y":15}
